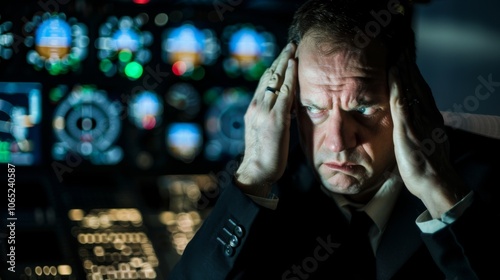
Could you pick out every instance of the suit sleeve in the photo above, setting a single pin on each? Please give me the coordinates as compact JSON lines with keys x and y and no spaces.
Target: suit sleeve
{"x":468,"y":248}
{"x":214,"y":248}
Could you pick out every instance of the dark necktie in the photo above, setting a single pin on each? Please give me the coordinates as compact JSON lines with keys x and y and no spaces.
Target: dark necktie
{"x":359,"y":254}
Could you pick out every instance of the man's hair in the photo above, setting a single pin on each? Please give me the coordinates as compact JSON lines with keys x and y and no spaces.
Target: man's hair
{"x":357,"y":24}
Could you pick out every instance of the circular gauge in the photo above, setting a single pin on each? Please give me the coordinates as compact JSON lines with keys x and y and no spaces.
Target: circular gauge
{"x":224,"y":122}
{"x":185,"y":99}
{"x":123,"y":47}
{"x":60,"y":44}
{"x":6,"y":40}
{"x":146,"y":110}
{"x":188,"y":48}
{"x":250,"y":51}
{"x":88,"y":123}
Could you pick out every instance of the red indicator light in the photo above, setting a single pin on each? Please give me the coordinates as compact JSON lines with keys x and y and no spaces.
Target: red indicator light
{"x":179,"y":68}
{"x":141,"y":2}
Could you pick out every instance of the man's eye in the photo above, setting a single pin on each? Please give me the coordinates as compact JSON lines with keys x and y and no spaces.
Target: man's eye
{"x":366,"y":110}
{"x":312,"y":110}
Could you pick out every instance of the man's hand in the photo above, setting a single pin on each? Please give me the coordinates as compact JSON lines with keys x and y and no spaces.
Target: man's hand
{"x":267,"y":126}
{"x":420,"y":141}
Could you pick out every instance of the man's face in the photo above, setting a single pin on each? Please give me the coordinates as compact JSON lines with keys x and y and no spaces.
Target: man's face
{"x":344,"y":116}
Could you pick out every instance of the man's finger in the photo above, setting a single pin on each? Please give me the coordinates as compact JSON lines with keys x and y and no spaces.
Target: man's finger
{"x":399,"y":108}
{"x":287,"y":91}
{"x":286,"y":54}
{"x":397,"y":103}
{"x":277,"y":79}
{"x":273,"y":76}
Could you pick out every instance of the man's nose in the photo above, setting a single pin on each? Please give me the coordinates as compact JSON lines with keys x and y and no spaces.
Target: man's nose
{"x":340,"y":131}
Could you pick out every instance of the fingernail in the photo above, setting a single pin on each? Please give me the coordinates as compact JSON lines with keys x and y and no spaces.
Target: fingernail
{"x":288,"y":46}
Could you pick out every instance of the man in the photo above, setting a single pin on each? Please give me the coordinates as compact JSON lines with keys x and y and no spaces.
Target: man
{"x":371,"y":141}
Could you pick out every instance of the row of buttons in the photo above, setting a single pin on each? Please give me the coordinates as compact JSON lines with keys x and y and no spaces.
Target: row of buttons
{"x":230,"y":238}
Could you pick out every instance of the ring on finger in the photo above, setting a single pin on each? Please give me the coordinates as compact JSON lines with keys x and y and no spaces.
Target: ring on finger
{"x":272,"y":90}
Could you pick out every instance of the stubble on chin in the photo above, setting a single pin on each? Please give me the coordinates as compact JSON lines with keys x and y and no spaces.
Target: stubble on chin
{"x":342,"y":183}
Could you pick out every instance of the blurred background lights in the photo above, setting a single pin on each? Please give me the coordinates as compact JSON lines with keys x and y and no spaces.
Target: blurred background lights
{"x":53,"y":38}
{"x":250,"y":51}
{"x":123,"y":46}
{"x":224,"y":123}
{"x":161,"y":19}
{"x":146,"y":110}
{"x":184,"y":100}
{"x":86,"y":122}
{"x":188,"y":48}
{"x":183,"y":218}
{"x":20,"y":123}
{"x":60,"y":44}
{"x":179,"y":68}
{"x":6,"y":40}
{"x":184,"y":140}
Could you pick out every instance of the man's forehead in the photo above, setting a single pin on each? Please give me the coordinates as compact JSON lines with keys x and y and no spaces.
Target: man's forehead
{"x":340,"y":68}
{"x":326,"y":49}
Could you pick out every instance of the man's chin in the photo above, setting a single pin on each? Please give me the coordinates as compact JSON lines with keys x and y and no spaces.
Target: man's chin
{"x":342,"y":184}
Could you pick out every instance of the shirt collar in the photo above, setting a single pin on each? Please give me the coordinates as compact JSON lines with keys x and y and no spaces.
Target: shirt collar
{"x":380,"y":206}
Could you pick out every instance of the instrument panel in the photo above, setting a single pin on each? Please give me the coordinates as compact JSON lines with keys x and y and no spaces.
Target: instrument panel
{"x":139,"y":86}
{"x":123,"y":119}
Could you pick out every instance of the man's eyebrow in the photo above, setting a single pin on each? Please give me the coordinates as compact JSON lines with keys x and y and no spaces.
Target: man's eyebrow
{"x":368,"y":98}
{"x":363,"y":102}
{"x":308,"y":102}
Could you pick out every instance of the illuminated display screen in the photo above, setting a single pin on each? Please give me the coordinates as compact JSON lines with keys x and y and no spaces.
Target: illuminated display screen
{"x":224,"y":122}
{"x":188,"y":48}
{"x":250,"y":51}
{"x":88,"y":123}
{"x":59,"y":44}
{"x":184,"y":140}
{"x":20,"y":128}
{"x":146,"y":110}
{"x":6,"y":40}
{"x":123,"y":47}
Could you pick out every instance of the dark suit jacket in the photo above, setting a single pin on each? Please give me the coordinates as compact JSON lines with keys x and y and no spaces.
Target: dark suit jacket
{"x":298,"y":240}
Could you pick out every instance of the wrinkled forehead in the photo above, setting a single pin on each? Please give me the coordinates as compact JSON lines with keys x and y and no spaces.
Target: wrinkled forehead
{"x":320,"y":46}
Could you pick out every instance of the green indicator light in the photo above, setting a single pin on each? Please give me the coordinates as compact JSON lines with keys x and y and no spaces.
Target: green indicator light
{"x":125,"y":56}
{"x":4,"y":146}
{"x":55,"y":69}
{"x":4,"y":151}
{"x":198,"y":73}
{"x":55,"y":94}
{"x":256,"y":71}
{"x":210,"y":96}
{"x":133,"y":70}
{"x":4,"y":156}
{"x":106,"y":65}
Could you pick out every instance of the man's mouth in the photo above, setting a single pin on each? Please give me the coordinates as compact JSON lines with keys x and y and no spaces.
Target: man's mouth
{"x":345,"y":167}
